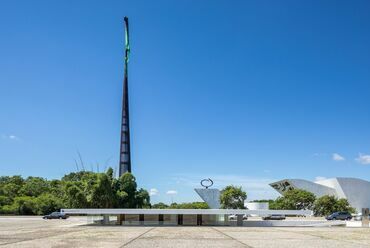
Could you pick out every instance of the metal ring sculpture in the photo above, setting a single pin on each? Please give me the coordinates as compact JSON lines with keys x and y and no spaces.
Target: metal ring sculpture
{"x":206,"y":183}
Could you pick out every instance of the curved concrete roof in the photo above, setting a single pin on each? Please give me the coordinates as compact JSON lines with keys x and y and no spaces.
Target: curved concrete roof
{"x":355,"y":190}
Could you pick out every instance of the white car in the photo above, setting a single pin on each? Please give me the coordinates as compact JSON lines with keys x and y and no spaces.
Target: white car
{"x":234,"y":217}
{"x":358,"y":217}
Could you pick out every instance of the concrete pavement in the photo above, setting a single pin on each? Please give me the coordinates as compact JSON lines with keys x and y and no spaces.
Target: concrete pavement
{"x":36,"y":232}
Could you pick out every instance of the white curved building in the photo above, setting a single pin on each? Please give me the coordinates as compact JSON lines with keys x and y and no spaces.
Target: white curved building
{"x":356,"y":191}
{"x":256,"y":205}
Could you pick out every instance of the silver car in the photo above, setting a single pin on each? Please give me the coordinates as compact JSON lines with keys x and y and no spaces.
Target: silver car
{"x":274,"y":217}
{"x":358,"y":217}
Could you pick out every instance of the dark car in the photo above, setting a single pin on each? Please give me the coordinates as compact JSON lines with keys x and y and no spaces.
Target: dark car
{"x":339,"y":216}
{"x":56,"y":215}
{"x":274,"y":217}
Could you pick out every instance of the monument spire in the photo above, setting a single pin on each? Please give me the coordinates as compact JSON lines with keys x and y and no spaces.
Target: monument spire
{"x":125,"y":152}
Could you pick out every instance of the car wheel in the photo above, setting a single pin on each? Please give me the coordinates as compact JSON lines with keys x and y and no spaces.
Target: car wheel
{"x":334,"y":218}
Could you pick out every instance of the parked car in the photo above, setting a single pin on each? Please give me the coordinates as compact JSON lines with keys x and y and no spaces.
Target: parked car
{"x":339,"y":216}
{"x":358,"y":217}
{"x":56,"y":215}
{"x":274,"y":217}
{"x":234,"y":217}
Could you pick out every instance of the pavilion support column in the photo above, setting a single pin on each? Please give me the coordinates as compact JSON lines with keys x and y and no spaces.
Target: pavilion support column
{"x":141,"y":219}
{"x":160,"y":219}
{"x":226,"y":220}
{"x":365,"y":217}
{"x":105,"y":219}
{"x":239,"y":220}
{"x":199,"y":219}
{"x":120,"y":219}
{"x":180,"y":219}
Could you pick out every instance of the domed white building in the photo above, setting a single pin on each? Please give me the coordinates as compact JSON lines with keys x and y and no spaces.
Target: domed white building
{"x":356,"y":191}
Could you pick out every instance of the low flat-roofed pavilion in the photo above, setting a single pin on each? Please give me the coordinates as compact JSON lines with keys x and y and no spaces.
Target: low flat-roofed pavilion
{"x":191,"y":217}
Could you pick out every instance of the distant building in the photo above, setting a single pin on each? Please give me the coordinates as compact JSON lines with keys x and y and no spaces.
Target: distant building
{"x":256,"y":206}
{"x":356,"y":191}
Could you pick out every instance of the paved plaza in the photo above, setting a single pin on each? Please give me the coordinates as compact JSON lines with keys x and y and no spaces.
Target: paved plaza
{"x":36,"y":232}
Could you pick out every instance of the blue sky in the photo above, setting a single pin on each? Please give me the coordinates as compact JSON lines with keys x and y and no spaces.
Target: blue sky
{"x":244,"y":92}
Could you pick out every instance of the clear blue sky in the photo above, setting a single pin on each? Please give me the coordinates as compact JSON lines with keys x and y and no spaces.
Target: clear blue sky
{"x":244,"y":92}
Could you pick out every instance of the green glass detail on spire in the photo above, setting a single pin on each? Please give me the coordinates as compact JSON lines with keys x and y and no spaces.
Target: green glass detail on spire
{"x":127,"y":41}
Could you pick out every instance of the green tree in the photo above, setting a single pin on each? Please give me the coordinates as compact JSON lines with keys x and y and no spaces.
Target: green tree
{"x":110,"y":173}
{"x":142,"y":199}
{"x":47,"y":203}
{"x":4,"y":200}
{"x":88,"y":183}
{"x":5,"y":203}
{"x":233,"y":197}
{"x":56,"y":188}
{"x":83,"y":189}
{"x":127,"y":191}
{"x":24,"y":205}
{"x":189,"y":205}
{"x":34,"y":186}
{"x":343,"y":205}
{"x":74,"y":196}
{"x":76,"y":176}
{"x":263,"y":200}
{"x":10,"y":186}
{"x":160,"y":205}
{"x":329,"y":204}
{"x":102,"y":195}
{"x":295,"y":199}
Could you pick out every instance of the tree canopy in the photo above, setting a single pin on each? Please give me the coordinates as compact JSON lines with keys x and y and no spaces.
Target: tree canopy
{"x":233,"y":197}
{"x":329,"y":204}
{"x":295,"y":199}
{"x":185,"y":205}
{"x":83,"y":189}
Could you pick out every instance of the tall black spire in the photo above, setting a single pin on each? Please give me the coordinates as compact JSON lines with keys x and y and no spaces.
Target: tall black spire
{"x":125,"y":152}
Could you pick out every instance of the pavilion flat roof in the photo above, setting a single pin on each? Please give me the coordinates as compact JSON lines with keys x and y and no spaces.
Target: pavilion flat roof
{"x":116,"y":211}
